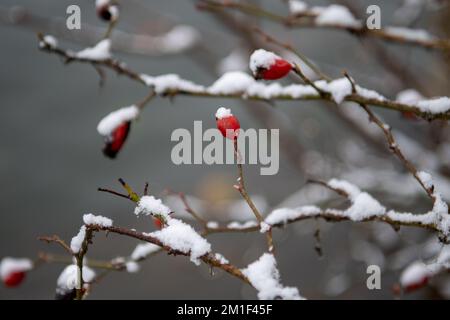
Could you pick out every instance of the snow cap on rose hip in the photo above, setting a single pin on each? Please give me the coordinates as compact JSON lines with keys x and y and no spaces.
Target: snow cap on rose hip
{"x":268,"y":66}
{"x":227,"y":123}
{"x":13,"y":270}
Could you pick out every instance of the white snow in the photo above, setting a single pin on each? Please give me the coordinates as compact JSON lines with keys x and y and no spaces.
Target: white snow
{"x":181,"y":236}
{"x":369,"y":94}
{"x":51,"y":41}
{"x":337,"y":15}
{"x":265,"y":277}
{"x":132,"y":267}
{"x":264,"y":227}
{"x":283,"y":215}
{"x":346,"y":186}
{"x":114,"y":12}
{"x":339,"y":88}
{"x":101,"y":51}
{"x":233,"y":82}
{"x":101,"y":221}
{"x":179,"y":38}
{"x":9,"y":265}
{"x":409,"y":96}
{"x":171,"y":82}
{"x":221,"y":258}
{"x":409,"y":34}
{"x":143,"y":250}
{"x":414,"y":274}
{"x":77,"y":241}
{"x":101,"y":3}
{"x":149,"y":205}
{"x":223,"y":113}
{"x":262,"y":59}
{"x":435,"y":105}
{"x":426,"y":179}
{"x":212,"y":224}
{"x":297,"y":7}
{"x":68,"y":278}
{"x":116,"y":118}
{"x":245,"y":225}
{"x":364,"y":206}
{"x":235,"y":61}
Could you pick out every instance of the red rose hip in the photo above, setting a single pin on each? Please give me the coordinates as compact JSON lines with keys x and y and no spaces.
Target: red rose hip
{"x":227,"y":123}
{"x":116,"y":140}
{"x":268,"y":66}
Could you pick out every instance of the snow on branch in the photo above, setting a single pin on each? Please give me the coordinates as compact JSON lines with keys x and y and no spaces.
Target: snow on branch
{"x":335,"y":17}
{"x":265,"y":277}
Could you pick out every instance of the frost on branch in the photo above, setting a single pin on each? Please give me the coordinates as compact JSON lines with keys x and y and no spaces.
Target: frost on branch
{"x":265,"y":277}
{"x":182,"y":237}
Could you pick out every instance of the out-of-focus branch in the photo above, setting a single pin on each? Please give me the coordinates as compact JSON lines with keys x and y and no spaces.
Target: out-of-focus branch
{"x":306,"y":20}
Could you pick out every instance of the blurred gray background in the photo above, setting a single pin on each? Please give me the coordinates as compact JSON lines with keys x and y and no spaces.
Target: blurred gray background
{"x":51,"y":162}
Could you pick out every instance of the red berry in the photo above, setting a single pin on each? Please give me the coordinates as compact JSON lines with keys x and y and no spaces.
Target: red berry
{"x":229,"y":126}
{"x":116,"y":140}
{"x":416,"y":285}
{"x":409,"y":115}
{"x":157,"y":222}
{"x":277,"y":70}
{"x":14,"y":279}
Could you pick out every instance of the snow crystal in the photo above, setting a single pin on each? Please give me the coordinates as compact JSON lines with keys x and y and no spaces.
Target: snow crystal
{"x":221,"y":258}
{"x":265,"y":277}
{"x":409,"y":34}
{"x":212,"y":224}
{"x":149,"y":205}
{"x":297,"y":7}
{"x":68,"y":279}
{"x":143,"y":250}
{"x":233,"y":82}
{"x":101,"y":51}
{"x":409,"y":96}
{"x":414,"y":274}
{"x":97,"y":220}
{"x":181,"y":236}
{"x":337,"y":15}
{"x":116,"y":118}
{"x":9,"y":265}
{"x":436,"y":105}
{"x":132,"y":267}
{"x":262,"y":59}
{"x":77,"y":241}
{"x":245,"y":225}
{"x":223,"y":113}
{"x":346,"y":186}
{"x":264,"y":227}
{"x":283,"y":215}
{"x":170,"y":82}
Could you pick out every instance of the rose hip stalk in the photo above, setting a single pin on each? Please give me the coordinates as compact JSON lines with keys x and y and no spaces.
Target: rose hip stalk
{"x":227,"y":123}
{"x":268,"y":66}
